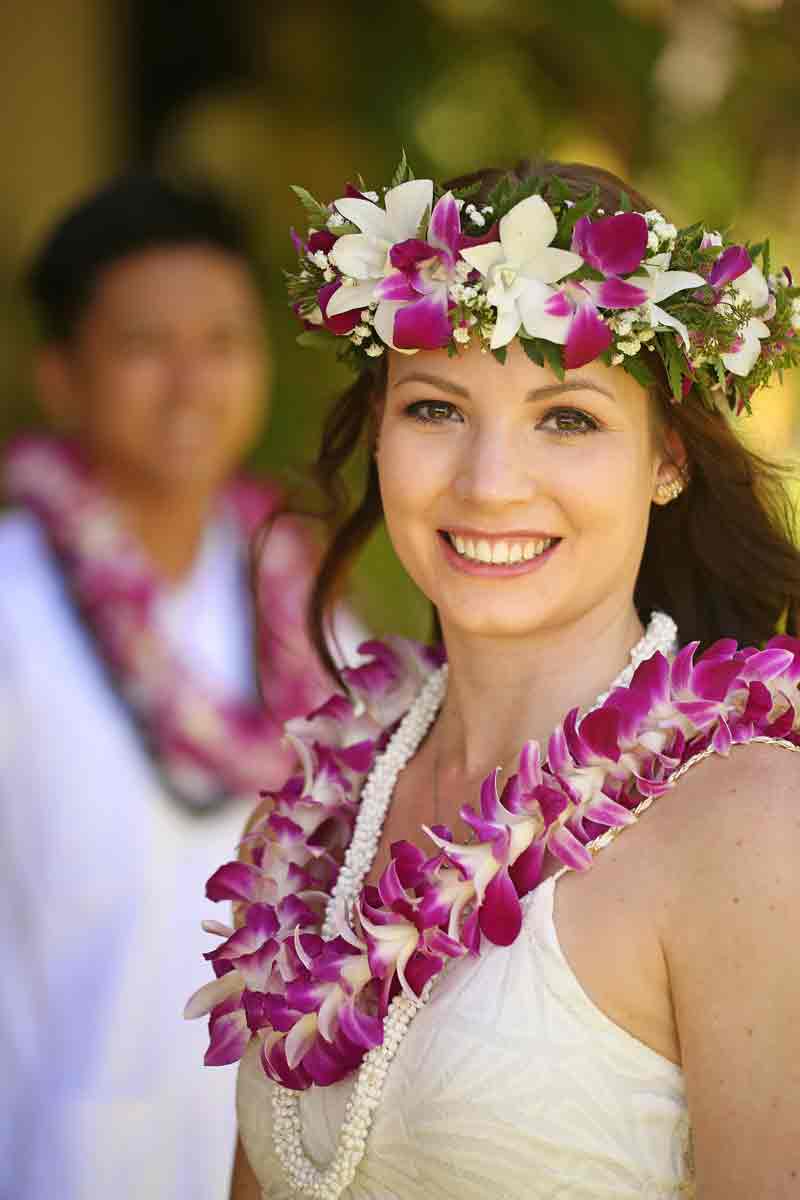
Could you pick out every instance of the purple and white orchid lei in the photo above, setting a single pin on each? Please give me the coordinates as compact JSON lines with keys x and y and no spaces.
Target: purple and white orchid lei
{"x":207,"y":744}
{"x":429,"y":269}
{"x":316,"y":1006}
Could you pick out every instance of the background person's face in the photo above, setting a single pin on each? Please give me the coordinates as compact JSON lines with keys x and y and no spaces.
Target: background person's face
{"x":164,"y":381}
{"x":497,"y":459}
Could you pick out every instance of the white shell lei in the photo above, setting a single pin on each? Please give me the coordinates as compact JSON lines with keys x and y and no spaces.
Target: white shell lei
{"x":329,"y":1183}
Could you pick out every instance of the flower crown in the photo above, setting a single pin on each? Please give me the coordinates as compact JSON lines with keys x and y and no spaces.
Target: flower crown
{"x":420,"y":268}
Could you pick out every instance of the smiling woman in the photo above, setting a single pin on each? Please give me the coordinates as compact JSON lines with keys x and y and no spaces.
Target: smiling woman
{"x":548,"y":454}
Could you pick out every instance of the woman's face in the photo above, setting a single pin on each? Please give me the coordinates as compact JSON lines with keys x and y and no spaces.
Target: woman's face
{"x":516,"y":502}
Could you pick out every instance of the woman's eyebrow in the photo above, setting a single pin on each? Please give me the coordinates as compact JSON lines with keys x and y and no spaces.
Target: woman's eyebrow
{"x":435,"y":381}
{"x":570,"y":385}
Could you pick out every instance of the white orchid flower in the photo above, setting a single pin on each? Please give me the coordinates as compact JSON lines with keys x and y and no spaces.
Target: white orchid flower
{"x":658,"y":285}
{"x":750,"y":286}
{"x":519,"y":264}
{"x":363,"y":258}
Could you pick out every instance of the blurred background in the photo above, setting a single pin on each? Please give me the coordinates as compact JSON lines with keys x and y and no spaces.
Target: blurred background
{"x":696,"y":103}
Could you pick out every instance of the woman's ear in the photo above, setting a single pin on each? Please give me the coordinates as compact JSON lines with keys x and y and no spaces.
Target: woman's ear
{"x":672,"y":474}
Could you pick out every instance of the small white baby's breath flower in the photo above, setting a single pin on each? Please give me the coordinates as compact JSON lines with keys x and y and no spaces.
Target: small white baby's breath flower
{"x":653,"y":241}
{"x":374,"y":350}
{"x":646,"y":335}
{"x":363,"y":331}
{"x":462,"y":335}
{"x":616,"y":359}
{"x":654,"y":217}
{"x":329,"y":275}
{"x":477,"y":218}
{"x":796,"y":313}
{"x":320,"y":259}
{"x":630,"y":346}
{"x":665,"y":231}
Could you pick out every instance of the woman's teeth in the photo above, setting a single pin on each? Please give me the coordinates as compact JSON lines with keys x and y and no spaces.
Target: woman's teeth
{"x":499,"y":551}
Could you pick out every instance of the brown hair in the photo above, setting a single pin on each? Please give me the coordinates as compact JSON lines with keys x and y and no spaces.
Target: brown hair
{"x":721,"y":559}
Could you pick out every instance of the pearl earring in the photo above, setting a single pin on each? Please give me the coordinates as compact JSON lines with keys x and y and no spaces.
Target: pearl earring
{"x":670,"y":489}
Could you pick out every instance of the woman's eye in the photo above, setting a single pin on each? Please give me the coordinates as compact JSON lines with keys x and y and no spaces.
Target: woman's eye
{"x":567,"y":421}
{"x":432,"y":412}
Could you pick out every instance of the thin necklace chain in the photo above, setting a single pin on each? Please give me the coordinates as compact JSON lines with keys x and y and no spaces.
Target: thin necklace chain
{"x":305,"y":1177}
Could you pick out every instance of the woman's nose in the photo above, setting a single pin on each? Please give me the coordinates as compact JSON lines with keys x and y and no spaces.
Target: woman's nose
{"x":495,"y":469}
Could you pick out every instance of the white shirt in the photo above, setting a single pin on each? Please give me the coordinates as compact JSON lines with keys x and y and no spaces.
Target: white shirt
{"x":102,"y":1089}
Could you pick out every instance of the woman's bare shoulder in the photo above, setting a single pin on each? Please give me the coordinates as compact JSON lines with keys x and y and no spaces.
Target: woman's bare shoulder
{"x":755,"y":785}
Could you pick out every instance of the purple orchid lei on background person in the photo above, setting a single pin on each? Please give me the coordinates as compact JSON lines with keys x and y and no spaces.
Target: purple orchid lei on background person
{"x":428,"y":269}
{"x":207,"y":745}
{"x":315,"y":1006}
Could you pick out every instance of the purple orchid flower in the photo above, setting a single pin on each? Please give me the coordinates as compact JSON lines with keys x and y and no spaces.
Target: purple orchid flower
{"x":414,"y":298}
{"x":569,"y":314}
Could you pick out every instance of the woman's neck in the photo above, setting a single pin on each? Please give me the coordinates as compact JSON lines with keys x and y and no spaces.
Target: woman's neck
{"x":504,"y":692}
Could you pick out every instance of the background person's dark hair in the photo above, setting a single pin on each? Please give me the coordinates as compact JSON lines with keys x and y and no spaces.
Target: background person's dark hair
{"x":135,"y":212}
{"x":721,"y":559}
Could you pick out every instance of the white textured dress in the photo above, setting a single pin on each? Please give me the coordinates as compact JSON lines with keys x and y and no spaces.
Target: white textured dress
{"x":510,"y":1084}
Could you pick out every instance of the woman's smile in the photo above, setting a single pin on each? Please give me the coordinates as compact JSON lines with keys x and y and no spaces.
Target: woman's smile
{"x":484,"y":554}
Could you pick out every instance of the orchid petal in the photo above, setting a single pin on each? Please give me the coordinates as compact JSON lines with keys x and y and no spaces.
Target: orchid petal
{"x":383,"y":320}
{"x":406,"y":256}
{"x":359,"y":256}
{"x":527,"y":870}
{"x":530,"y":765}
{"x":616,"y":293}
{"x":536,"y":306}
{"x":527,"y":228}
{"x":500,"y":914}
{"x":753,"y":286}
{"x":344,"y":322}
{"x":484,"y":258}
{"x":662,"y":318}
{"x":550,"y":264}
{"x":565,"y":845}
{"x":236,"y":881}
{"x":348,"y":299}
{"x":732,"y":263}
{"x":396,"y":286}
{"x":506,"y":328}
{"x":300,"y":1038}
{"x":423,"y":325}
{"x":211,"y":994}
{"x":667,"y":283}
{"x":614,"y":245}
{"x":370,"y":218}
{"x":445,"y":225}
{"x":588,"y":337}
{"x":229,"y":1037}
{"x":406,"y":205}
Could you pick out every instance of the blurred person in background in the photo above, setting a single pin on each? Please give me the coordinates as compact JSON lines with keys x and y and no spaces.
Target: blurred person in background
{"x":135,"y":712}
